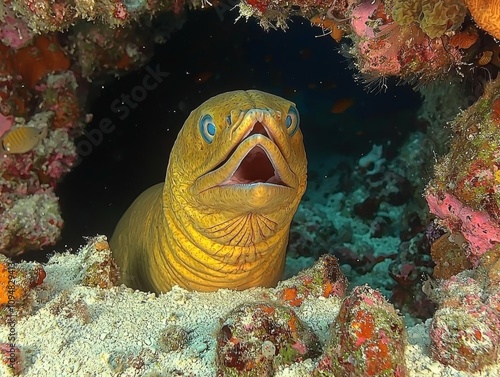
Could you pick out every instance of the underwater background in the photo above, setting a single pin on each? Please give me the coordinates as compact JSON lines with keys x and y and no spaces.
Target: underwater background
{"x":208,"y":56}
{"x":393,"y":257}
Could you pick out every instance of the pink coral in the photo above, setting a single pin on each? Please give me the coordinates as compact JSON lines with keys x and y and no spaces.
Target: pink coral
{"x":377,"y":55}
{"x":13,"y":31}
{"x":477,"y":227}
{"x":360,"y":17}
{"x":5,"y":123}
{"x":384,"y":48}
{"x":30,"y":217}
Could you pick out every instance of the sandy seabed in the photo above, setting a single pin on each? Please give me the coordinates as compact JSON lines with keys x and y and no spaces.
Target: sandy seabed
{"x":76,"y":330}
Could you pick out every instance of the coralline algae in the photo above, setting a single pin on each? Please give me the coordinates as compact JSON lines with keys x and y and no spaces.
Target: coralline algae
{"x":368,"y":338}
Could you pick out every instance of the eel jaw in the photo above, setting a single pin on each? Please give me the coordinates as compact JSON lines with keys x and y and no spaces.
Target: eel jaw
{"x":254,"y":165}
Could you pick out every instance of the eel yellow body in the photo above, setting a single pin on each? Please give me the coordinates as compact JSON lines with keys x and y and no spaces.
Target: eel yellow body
{"x":221,"y":219}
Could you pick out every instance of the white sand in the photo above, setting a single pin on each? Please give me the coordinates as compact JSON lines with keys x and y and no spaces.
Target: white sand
{"x":82,"y":331}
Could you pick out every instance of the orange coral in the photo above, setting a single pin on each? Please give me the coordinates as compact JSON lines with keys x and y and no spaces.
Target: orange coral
{"x":485,"y":57}
{"x":464,"y":39}
{"x":290,"y":295}
{"x":35,"y":61}
{"x":5,"y":279}
{"x":16,"y":283}
{"x":330,"y":26}
{"x":486,"y":14}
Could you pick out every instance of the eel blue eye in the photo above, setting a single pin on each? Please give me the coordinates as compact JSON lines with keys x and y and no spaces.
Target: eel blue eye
{"x":292,"y":121}
{"x":207,"y":128}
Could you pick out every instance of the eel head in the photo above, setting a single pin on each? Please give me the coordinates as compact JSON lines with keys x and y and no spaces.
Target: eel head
{"x":240,"y":152}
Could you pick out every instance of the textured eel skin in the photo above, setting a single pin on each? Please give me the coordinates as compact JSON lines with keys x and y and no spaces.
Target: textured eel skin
{"x":235,"y":177}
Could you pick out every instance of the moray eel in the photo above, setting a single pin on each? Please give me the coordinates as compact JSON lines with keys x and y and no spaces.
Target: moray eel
{"x":221,"y":219}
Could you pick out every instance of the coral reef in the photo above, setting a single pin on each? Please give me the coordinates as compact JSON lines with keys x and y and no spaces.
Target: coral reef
{"x":464,"y":192}
{"x":323,"y":279}
{"x":44,"y":16}
{"x":383,"y":47}
{"x":184,"y":333}
{"x":464,"y":331}
{"x":256,"y":338}
{"x":435,"y":18}
{"x":16,"y":288}
{"x":367,"y":338}
{"x":41,"y":103}
{"x":100,"y":50}
{"x":370,"y":214}
{"x":100,"y":268}
{"x":417,"y":41}
{"x":486,"y":14}
{"x":29,"y":207}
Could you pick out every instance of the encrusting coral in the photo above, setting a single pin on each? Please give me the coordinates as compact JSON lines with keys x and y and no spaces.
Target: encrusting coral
{"x":464,"y":193}
{"x":17,"y":282}
{"x":256,"y":339}
{"x":464,"y":330}
{"x":367,"y":338}
{"x":433,"y":17}
{"x":486,"y":13}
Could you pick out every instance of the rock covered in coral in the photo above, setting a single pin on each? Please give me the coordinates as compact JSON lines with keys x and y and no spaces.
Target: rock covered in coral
{"x":30,"y":211}
{"x":464,"y":193}
{"x":45,"y":15}
{"x":173,"y":338}
{"x":17,"y":282}
{"x":14,"y":32}
{"x":100,"y":49}
{"x":29,"y":222}
{"x":323,"y":279}
{"x":10,"y":355}
{"x":435,"y":18}
{"x":465,"y":339}
{"x":34,"y":61}
{"x":367,"y":339}
{"x":465,"y":329}
{"x":99,"y":268}
{"x":256,"y":338}
{"x":385,"y":47}
{"x":450,"y":258}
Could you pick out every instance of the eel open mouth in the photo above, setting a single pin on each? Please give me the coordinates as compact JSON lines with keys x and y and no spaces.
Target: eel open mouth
{"x":257,"y":166}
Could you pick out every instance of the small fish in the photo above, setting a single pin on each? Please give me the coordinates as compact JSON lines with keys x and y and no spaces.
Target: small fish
{"x":342,"y":105}
{"x":22,"y":139}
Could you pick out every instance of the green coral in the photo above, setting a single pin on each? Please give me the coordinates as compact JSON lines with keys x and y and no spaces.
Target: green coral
{"x":469,"y":170}
{"x":405,"y":12}
{"x":433,"y":17}
{"x":440,"y":16}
